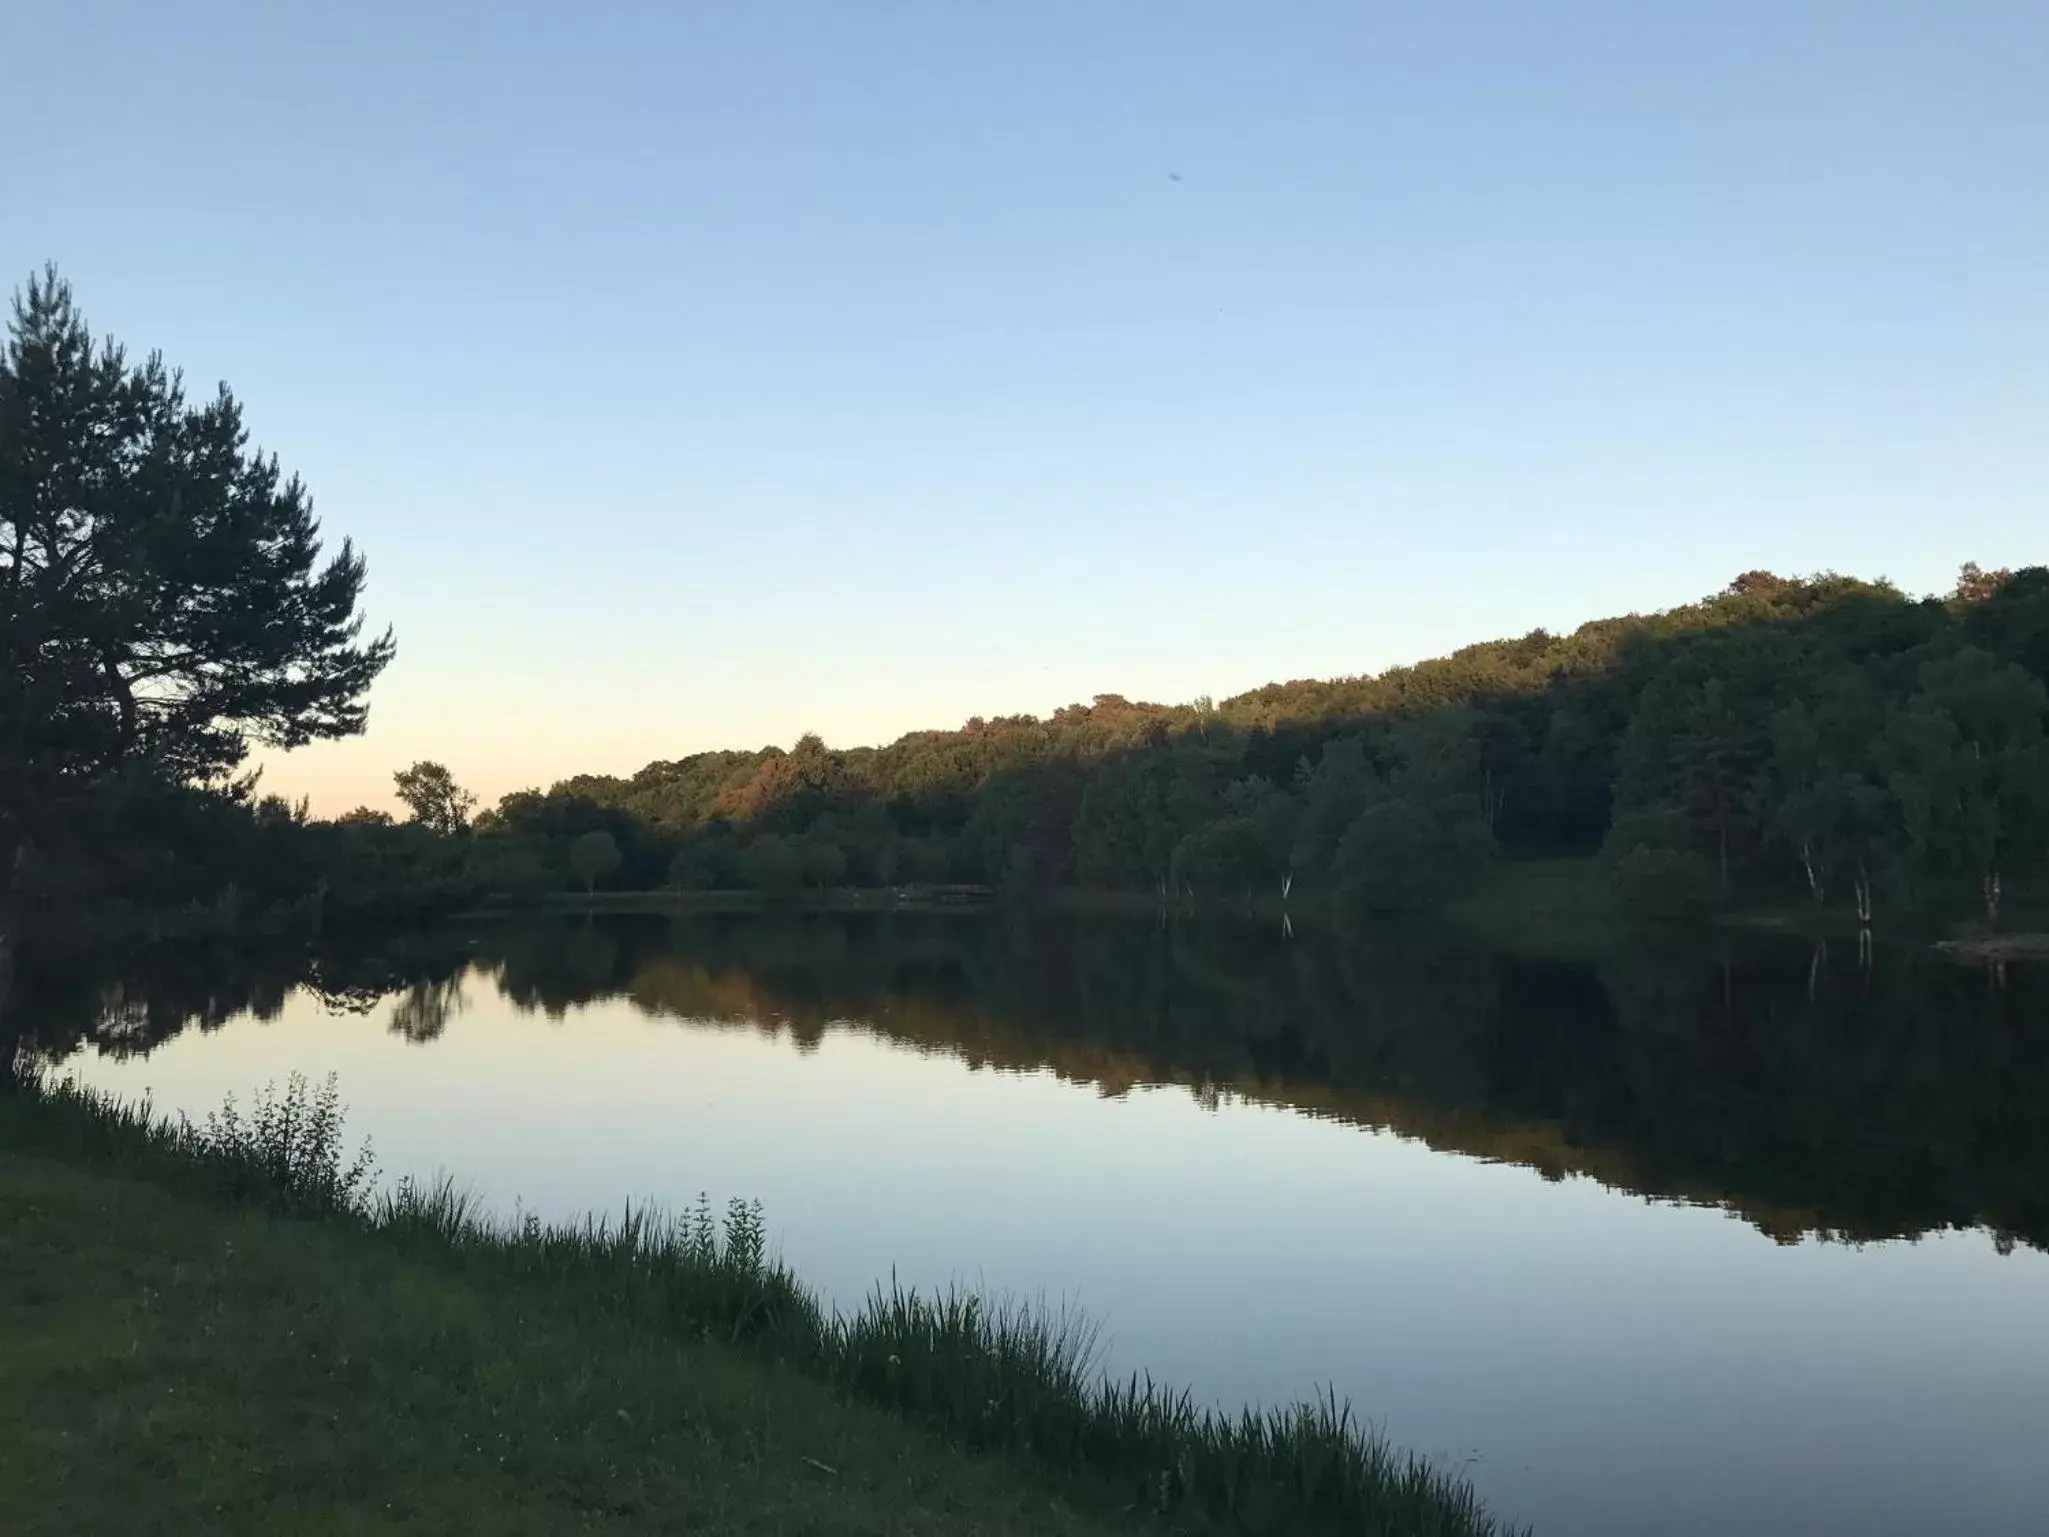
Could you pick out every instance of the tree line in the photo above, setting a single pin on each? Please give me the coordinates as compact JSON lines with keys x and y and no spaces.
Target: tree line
{"x":165,"y":602}
{"x":1825,"y":737}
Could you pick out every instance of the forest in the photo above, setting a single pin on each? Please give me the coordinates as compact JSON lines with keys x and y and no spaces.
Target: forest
{"x":1819,"y":740}
{"x":165,"y":604}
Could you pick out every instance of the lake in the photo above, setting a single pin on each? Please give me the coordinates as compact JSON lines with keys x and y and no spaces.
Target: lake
{"x":1709,"y":1236}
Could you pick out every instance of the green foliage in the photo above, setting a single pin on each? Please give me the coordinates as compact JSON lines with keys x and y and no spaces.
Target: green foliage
{"x":1225,"y":857}
{"x":925,"y":859}
{"x":692,"y":869}
{"x":172,"y":1363}
{"x":1659,"y":828}
{"x":1339,"y":789}
{"x":1655,"y":867}
{"x":1664,"y":882}
{"x":773,"y":864}
{"x":824,"y":861}
{"x":289,"y":1147}
{"x":1818,"y":736}
{"x":509,"y":868}
{"x":1825,"y":796}
{"x":1417,"y":831}
{"x":1966,"y":765}
{"x":1791,"y":727}
{"x":1391,"y":857}
{"x":1131,"y":816}
{"x":1001,"y":1378}
{"x":593,"y":858}
{"x":1004,"y":1380}
{"x":285,"y":1153}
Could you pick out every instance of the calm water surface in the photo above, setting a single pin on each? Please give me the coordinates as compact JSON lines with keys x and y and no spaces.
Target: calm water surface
{"x":1686,"y":1241}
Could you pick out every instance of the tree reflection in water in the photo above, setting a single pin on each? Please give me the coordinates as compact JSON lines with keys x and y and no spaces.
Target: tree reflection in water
{"x":1787,"y":1081}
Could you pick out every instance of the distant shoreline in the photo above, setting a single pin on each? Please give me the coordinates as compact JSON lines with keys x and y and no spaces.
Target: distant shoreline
{"x":1559,"y":907}
{"x":1997,"y":947}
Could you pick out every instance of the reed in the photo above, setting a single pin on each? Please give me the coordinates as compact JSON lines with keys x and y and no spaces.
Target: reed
{"x":1011,"y":1379}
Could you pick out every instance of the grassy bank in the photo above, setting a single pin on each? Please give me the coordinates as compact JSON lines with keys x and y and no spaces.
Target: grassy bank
{"x":219,"y":1327}
{"x":1569,"y":909}
{"x":1997,"y":947}
{"x":1563,"y":908}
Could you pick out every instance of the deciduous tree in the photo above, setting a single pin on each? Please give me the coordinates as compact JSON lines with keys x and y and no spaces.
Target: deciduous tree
{"x":593,"y":858}
{"x":436,"y":801}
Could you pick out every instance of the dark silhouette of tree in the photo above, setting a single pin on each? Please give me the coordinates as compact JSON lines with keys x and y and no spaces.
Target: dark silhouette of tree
{"x":772,"y":863}
{"x":436,"y":801}
{"x":593,"y":858}
{"x":162,"y":595}
{"x":164,"y":601}
{"x":824,"y":862}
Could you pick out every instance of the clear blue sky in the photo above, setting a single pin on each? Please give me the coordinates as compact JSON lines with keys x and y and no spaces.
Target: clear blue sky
{"x":702,"y":374}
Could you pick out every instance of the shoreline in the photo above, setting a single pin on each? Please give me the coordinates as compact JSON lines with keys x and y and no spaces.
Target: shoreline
{"x":1561,"y":907}
{"x":962,"y":1390}
{"x":1996,"y":947}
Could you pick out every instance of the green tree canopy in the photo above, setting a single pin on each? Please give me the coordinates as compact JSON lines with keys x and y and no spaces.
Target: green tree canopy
{"x":593,"y":858}
{"x":1967,"y":765}
{"x":772,"y":863}
{"x":825,"y":862}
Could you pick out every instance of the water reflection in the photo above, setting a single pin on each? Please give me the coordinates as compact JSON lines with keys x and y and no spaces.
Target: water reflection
{"x":975,"y":1098}
{"x":1786,"y":1081}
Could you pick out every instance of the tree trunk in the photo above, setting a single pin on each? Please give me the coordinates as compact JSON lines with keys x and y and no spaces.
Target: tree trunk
{"x":1990,"y":885}
{"x":11,"y":860}
{"x":10,"y":1038}
{"x":1722,"y":849}
{"x":124,"y":701}
{"x":1813,"y":880}
{"x":13,"y":863}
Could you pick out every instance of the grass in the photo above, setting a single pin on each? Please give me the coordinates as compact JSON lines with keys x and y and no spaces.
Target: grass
{"x":1568,"y":909}
{"x":223,"y":1325}
{"x":1997,"y":947}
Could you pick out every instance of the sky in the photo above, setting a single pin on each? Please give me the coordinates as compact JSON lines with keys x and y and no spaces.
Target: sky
{"x":699,"y":375}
